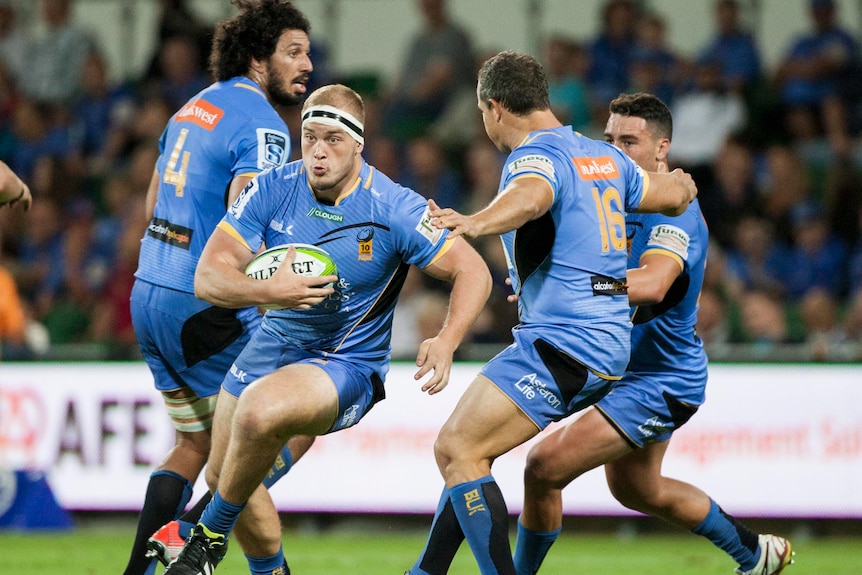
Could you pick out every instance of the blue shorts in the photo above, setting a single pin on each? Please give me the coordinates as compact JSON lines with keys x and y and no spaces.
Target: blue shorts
{"x":358,"y":386}
{"x":648,"y":407}
{"x":546,"y":383}
{"x":185,"y":341}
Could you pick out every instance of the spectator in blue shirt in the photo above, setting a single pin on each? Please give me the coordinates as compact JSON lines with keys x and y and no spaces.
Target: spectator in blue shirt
{"x":733,"y":48}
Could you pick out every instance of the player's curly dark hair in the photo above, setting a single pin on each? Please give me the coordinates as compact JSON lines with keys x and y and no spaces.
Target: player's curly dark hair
{"x":648,"y":107}
{"x":516,"y":81}
{"x":253,"y":33}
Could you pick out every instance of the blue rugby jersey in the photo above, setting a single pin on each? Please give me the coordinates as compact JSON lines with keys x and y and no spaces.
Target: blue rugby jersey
{"x":373,"y":232}
{"x":663,"y":336}
{"x":229,"y":129}
{"x":568,"y":266}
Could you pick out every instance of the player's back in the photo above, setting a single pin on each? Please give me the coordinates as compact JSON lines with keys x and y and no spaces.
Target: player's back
{"x":568,"y":266}
{"x":664,"y":336}
{"x":227,"y":130}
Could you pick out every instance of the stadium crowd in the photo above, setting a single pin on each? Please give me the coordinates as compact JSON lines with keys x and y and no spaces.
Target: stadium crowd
{"x":776,"y":154}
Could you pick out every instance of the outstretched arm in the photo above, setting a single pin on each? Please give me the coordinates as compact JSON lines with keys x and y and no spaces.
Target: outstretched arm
{"x":523,"y":200}
{"x":669,"y":194}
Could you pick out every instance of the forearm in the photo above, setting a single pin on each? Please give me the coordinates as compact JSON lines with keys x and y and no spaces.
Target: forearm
{"x":470,"y":292}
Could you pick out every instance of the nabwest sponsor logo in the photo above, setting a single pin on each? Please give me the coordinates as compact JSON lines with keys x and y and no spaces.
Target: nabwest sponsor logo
{"x":601,"y":168}
{"x":200,"y":112}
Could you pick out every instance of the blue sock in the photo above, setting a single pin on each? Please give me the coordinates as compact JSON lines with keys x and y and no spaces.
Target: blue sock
{"x":267,"y":565}
{"x":482,"y":513}
{"x":531,"y":548}
{"x":443,"y":541}
{"x":185,"y":528}
{"x":728,"y":534}
{"x":283,"y":463}
{"x":220,"y":516}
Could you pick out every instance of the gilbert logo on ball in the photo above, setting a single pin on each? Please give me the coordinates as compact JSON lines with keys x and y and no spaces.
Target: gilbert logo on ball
{"x":310,"y":261}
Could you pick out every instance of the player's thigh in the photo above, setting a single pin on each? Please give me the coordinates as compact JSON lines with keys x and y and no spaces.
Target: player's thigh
{"x":571,"y":450}
{"x":484,"y":424}
{"x":299,"y":398}
{"x":637,"y":473}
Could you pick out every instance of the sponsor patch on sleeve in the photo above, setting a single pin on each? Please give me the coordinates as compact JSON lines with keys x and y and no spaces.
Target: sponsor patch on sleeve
{"x":428,"y":231}
{"x":272,"y":148}
{"x":532,"y":164}
{"x":238,"y":207}
{"x":671,"y":238}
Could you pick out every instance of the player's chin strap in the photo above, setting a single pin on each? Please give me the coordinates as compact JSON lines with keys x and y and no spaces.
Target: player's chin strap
{"x":332,"y":116}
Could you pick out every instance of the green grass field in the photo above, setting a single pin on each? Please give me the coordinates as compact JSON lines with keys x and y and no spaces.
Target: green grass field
{"x":98,"y":548}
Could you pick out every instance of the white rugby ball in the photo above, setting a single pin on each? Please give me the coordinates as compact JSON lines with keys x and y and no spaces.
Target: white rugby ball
{"x":310,"y":261}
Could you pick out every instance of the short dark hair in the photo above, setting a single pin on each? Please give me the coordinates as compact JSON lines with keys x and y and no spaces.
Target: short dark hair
{"x":648,"y":107}
{"x":516,"y":81}
{"x":253,"y":33}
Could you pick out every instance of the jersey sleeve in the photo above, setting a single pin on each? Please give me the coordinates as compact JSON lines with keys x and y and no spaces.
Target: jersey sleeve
{"x":635,"y":180}
{"x":248,"y":217}
{"x":672,"y":237}
{"x":416,"y":239}
{"x":259,"y":146}
{"x":530,"y":161}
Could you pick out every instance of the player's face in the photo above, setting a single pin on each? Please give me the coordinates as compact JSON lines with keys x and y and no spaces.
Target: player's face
{"x":288,"y":68}
{"x":490,"y":123}
{"x":631,"y":135}
{"x":331,"y":159}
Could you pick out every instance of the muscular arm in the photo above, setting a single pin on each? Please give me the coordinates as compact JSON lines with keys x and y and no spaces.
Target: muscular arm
{"x":649,"y":283}
{"x":523,"y":200}
{"x":465,"y":269}
{"x":669,"y":194}
{"x":220,"y":279}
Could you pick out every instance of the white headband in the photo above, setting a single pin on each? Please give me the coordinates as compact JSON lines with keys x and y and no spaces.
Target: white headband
{"x":333,"y":116}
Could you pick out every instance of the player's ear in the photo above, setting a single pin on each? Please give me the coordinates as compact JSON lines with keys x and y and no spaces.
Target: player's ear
{"x":496,"y":109}
{"x":663,"y":149}
{"x":359,"y":148}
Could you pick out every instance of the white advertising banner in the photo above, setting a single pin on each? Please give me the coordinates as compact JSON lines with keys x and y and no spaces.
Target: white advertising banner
{"x":770,"y":441}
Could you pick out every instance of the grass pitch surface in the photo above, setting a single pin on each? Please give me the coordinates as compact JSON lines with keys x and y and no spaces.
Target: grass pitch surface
{"x":103,"y":550}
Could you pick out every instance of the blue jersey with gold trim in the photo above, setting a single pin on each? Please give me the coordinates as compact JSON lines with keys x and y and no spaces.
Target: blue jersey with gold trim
{"x":568,"y":266}
{"x":229,"y":129}
{"x":664,"y":337}
{"x":373,"y":233}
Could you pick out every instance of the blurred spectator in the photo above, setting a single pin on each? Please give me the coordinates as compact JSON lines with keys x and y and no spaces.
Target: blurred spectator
{"x":111,"y":322}
{"x":732,"y":194}
{"x":757,"y":260}
{"x":734,"y":49}
{"x":610,"y":55}
{"x":439,"y":63}
{"x":14,"y":43}
{"x":12,"y":314}
{"x":567,"y":64}
{"x":427,"y":172}
{"x":182,"y":75}
{"x":176,"y":18}
{"x":37,"y":134}
{"x":55,"y":60}
{"x":712,"y":318}
{"x":810,"y":78}
{"x":783,"y":182}
{"x":763,"y":321}
{"x":483,"y":163}
{"x":40,"y":255}
{"x":654,"y":68}
{"x":817,"y":259}
{"x":823,"y":332}
{"x":9,"y":98}
{"x":101,"y":112}
{"x":419,"y":314}
{"x":703,"y":118}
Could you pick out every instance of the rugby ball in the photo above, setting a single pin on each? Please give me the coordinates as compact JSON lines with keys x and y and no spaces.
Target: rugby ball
{"x":310,"y":261}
